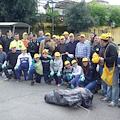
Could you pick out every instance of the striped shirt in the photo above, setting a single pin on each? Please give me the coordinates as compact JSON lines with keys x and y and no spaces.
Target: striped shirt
{"x":82,"y":50}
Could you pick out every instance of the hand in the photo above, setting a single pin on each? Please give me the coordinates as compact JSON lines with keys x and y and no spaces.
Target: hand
{"x":4,"y":65}
{"x":28,"y":72}
{"x":33,"y":60}
{"x":51,"y":62}
{"x":101,"y":60}
{"x":51,"y":73}
{"x":67,"y":53}
{"x":68,"y":75}
{"x":71,"y":76}
{"x":97,"y":68}
{"x":82,"y":78}
{"x":16,"y":67}
{"x":29,"y":54}
{"x":49,"y":56}
{"x":58,"y":74}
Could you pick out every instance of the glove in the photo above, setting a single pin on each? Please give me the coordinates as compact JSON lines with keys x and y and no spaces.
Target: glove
{"x":97,"y":68}
{"x":58,"y":74}
{"x":68,"y":75}
{"x":51,"y":73}
{"x":4,"y":65}
{"x":29,"y":54}
{"x":28,"y":72}
{"x":51,"y":62}
{"x":72,"y":86}
{"x":82,"y":78}
{"x":71,"y":76}
{"x":71,"y":55}
{"x":33,"y":61}
{"x":16,"y":67}
{"x":49,"y":56}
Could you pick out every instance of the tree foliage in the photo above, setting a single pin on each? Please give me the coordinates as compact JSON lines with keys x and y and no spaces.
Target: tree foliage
{"x":78,"y":17}
{"x":18,"y":11}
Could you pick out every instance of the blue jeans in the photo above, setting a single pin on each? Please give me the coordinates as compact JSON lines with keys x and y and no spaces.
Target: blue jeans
{"x":113,"y":91}
{"x":38,"y":76}
{"x":103,"y":83}
{"x":47,"y":77}
{"x":75,"y":80}
{"x":66,"y":79}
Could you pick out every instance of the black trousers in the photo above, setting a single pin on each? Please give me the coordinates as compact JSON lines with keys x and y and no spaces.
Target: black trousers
{"x":80,"y":61}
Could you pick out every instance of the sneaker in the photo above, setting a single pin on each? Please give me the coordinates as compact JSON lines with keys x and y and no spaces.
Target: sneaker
{"x":17,"y":80}
{"x":62,"y":82}
{"x":49,"y":83}
{"x":59,"y":85}
{"x":32,"y":83}
{"x":119,"y":106}
{"x":112,"y":104}
{"x":6,"y":79}
{"x":105,"y":99}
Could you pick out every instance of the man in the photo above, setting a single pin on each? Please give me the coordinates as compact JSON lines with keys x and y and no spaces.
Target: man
{"x":41,"y":34}
{"x":47,"y":44}
{"x":109,"y":58}
{"x":33,"y":46}
{"x":78,"y":38}
{"x":91,"y":38}
{"x":25,"y":40}
{"x":82,"y":50}
{"x":30,"y":36}
{"x":10,"y":61}
{"x":54,"y":38}
{"x":8,"y":40}
{"x":3,"y":57}
{"x":66,"y":35}
{"x":70,"y":48}
{"x":19,"y":44}
{"x":2,"y":39}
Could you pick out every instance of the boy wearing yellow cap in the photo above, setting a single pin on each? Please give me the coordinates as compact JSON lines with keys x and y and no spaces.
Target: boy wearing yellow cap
{"x":66,"y":35}
{"x":37,"y":69}
{"x":56,"y":68}
{"x":24,"y":62}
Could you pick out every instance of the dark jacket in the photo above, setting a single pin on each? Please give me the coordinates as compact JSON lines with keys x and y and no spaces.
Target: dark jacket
{"x":7,"y":43}
{"x":2,"y":41}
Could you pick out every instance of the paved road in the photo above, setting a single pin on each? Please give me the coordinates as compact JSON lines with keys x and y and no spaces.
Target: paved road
{"x":20,"y":101}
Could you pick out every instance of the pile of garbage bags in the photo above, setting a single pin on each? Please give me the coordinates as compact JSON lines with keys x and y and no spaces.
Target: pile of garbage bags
{"x":73,"y":98}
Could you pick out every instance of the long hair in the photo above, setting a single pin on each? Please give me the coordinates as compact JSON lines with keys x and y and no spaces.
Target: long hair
{"x":86,"y":69}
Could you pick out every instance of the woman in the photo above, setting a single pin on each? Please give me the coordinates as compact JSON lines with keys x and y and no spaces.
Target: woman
{"x":90,"y":78}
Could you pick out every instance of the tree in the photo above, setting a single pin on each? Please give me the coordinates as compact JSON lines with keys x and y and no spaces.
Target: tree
{"x":18,"y":11}
{"x":115,"y":15}
{"x":78,"y":17}
{"x":99,"y":11}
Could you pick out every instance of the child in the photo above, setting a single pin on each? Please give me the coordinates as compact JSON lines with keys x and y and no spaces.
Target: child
{"x":45,"y":58}
{"x":67,"y":72}
{"x":37,"y":69}
{"x":56,"y":68}
{"x":77,"y":72}
{"x":24,"y":62}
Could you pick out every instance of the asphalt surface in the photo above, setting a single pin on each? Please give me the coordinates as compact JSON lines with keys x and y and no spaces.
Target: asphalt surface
{"x":20,"y":101}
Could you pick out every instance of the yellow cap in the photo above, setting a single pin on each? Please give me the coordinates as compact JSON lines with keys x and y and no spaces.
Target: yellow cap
{"x":24,"y":48}
{"x":109,"y":34}
{"x":95,"y":55}
{"x":36,"y":55}
{"x":12,"y":46}
{"x":54,"y":36}
{"x":25,"y":33}
{"x":104,"y":36}
{"x":47,"y":34}
{"x":57,"y":37}
{"x":66,"y":62}
{"x":62,"y":37}
{"x":85,"y":60}
{"x":65,"y":33}
{"x":45,"y":51}
{"x":71,"y":34}
{"x":82,"y":35}
{"x":57,"y":54}
{"x":1,"y":46}
{"x":74,"y":61}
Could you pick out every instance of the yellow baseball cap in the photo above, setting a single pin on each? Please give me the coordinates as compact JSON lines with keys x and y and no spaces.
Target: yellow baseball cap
{"x":12,"y":46}
{"x":36,"y":55}
{"x":62,"y":37}
{"x":54,"y":36}
{"x":66,"y":62}
{"x":47,"y":34}
{"x":25,"y":33}
{"x":74,"y":61}
{"x":109,"y":34}
{"x":57,"y":37}
{"x":45,"y":51}
{"x":104,"y":36}
{"x":82,"y":35}
{"x":24,"y":48}
{"x":85,"y":60}
{"x":1,"y":46}
{"x":57,"y":54}
{"x":65,"y":33}
{"x":71,"y":34}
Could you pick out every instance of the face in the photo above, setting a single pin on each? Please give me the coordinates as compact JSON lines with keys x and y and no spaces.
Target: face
{"x":25,"y":37}
{"x":78,"y":38}
{"x":0,"y":33}
{"x":101,"y":42}
{"x":41,"y":33}
{"x":110,"y":39}
{"x":85,"y":64}
{"x":75,"y":64}
{"x":16,"y":37}
{"x":54,"y":39}
{"x":66,"y":36}
{"x":24,"y":51}
{"x":96,"y":39}
{"x":13,"y":49}
{"x":62,"y":41}
{"x":91,"y":35}
{"x":1,"y":50}
{"x":35,"y":38}
{"x":45,"y":55}
{"x":47,"y":37}
{"x":71,"y":38}
{"x":82,"y":39}
{"x":57,"y":57}
{"x":67,"y":66}
{"x":37,"y":59}
{"x":9,"y":33}
{"x":30,"y":36}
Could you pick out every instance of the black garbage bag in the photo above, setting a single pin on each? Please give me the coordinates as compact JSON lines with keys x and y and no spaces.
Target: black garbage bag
{"x":73,"y":98}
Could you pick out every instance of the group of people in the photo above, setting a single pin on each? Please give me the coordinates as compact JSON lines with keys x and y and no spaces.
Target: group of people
{"x":63,"y":59}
